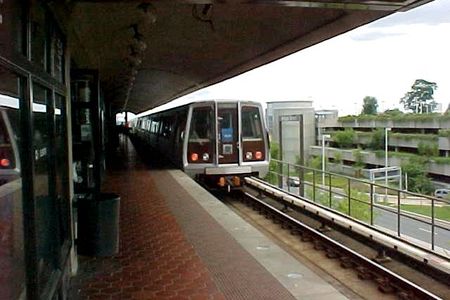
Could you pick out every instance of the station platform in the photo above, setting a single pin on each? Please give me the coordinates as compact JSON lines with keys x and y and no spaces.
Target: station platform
{"x":179,"y":242}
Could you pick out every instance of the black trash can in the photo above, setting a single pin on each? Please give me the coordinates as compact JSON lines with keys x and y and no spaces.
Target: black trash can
{"x":98,"y":225}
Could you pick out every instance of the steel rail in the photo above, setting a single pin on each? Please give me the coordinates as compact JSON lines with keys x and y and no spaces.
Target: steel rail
{"x":387,"y":280}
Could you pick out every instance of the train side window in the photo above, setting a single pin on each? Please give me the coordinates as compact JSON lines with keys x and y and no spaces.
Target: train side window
{"x":155,"y":126}
{"x":251,"y":123}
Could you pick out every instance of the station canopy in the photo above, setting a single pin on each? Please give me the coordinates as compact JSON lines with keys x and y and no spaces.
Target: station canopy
{"x":151,"y":52}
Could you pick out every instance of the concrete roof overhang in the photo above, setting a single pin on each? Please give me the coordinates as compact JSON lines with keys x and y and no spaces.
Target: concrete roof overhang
{"x":151,"y":52}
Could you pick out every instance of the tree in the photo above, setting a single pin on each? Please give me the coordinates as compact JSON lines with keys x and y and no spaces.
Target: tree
{"x":418,"y":181}
{"x":370,"y":106}
{"x":393,"y":112}
{"x":420,"y":98}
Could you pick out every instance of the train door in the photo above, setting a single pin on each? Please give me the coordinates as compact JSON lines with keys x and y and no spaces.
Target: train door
{"x":227,"y":126}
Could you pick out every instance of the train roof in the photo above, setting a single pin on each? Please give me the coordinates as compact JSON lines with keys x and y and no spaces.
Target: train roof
{"x":156,"y":111}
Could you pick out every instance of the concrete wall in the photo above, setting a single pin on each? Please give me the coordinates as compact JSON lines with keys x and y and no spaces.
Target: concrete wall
{"x":395,"y":141}
{"x":437,"y":123}
{"x":370,"y":158}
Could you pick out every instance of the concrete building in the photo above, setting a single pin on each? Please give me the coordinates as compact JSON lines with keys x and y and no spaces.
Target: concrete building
{"x":408,"y":134}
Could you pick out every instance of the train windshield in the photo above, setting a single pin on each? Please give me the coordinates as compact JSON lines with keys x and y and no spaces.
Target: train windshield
{"x":201,"y":135}
{"x":253,"y":144}
{"x":251,"y":123}
{"x":201,"y":126}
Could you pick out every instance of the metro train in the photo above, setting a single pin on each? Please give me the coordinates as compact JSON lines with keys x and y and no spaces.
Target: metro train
{"x":217,"y":142}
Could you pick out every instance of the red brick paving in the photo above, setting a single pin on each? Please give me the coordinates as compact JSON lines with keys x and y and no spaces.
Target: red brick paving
{"x":155,"y":259}
{"x":170,"y":248}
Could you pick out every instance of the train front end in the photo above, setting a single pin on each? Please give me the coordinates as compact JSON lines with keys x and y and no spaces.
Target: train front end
{"x":225,"y":142}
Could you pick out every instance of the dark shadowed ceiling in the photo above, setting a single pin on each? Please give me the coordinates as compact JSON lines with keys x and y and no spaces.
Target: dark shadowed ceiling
{"x":150,"y":52}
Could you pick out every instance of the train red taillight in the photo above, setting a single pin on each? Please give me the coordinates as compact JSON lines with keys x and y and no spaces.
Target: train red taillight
{"x":4,"y":162}
{"x":258,"y":155}
{"x":194,"y":156}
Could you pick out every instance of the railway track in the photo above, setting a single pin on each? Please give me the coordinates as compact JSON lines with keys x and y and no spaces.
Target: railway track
{"x":392,"y":272}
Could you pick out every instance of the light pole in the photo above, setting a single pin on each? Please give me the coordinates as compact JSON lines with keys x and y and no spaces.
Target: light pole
{"x":324,"y":136}
{"x":386,"y":130}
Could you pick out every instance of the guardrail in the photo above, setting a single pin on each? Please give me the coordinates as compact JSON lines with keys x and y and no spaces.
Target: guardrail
{"x":421,"y":219}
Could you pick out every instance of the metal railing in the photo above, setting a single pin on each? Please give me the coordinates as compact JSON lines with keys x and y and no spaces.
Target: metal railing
{"x":421,"y":219}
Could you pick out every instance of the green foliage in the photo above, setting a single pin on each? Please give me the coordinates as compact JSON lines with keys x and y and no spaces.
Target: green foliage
{"x":444,"y":132}
{"x":440,"y":212}
{"x":397,"y":118}
{"x":420,"y":98}
{"x":359,"y":206}
{"x":441,"y":160}
{"x":274,"y":151}
{"x":359,"y":203}
{"x":379,"y":153}
{"x":316,"y":162}
{"x":393,"y":112}
{"x":428,"y":149}
{"x":370,"y":106}
{"x":344,"y":138}
{"x":271,"y":177}
{"x":359,"y":158}
{"x":418,"y":181}
{"x":377,"y":140}
{"x":415,"y":136}
{"x":359,"y":162}
{"x":338,"y":157}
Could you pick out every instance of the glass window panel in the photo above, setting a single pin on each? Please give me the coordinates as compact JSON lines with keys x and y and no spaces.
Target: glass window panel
{"x":61,"y":165}
{"x":12,"y":265}
{"x":58,"y":57}
{"x":201,"y":124}
{"x":46,"y":212}
{"x":12,"y":27}
{"x":39,"y":36}
{"x":251,"y":123}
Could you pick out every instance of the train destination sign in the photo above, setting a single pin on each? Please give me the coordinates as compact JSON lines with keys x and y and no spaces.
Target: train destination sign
{"x":290,"y":118}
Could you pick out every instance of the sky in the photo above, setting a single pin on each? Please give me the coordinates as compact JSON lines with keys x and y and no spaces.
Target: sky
{"x":381,"y":59}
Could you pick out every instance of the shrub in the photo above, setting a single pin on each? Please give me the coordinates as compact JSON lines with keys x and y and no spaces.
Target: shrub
{"x":271,"y":177}
{"x":359,"y":163}
{"x":338,"y":157}
{"x":344,"y":138}
{"x":316,"y":162}
{"x":428,"y":149}
{"x":444,"y":132}
{"x":377,"y":141}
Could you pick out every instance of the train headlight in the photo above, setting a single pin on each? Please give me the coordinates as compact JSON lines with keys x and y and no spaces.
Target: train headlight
{"x":248,"y":156}
{"x":258,"y":155}
{"x":194,"y":156}
{"x":205,"y":157}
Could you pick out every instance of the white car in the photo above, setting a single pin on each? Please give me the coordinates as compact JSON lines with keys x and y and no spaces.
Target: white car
{"x":293,"y":181}
{"x":442,"y":193}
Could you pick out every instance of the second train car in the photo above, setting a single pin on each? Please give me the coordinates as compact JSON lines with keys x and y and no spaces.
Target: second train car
{"x":216,"y":142}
